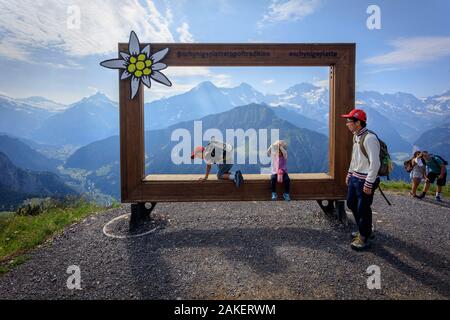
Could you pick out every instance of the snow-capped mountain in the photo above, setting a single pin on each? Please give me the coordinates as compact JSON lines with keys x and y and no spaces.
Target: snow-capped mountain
{"x":401,"y":117}
{"x":43,"y":103}
{"x":408,"y":114}
{"x":243,"y":94}
{"x":439,"y":105}
{"x":304,"y":98}
{"x":202,"y":100}
{"x":20,"y":118}
{"x":90,"y":119}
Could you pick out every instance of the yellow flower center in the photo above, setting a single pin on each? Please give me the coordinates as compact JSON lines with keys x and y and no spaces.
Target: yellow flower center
{"x":140,"y":65}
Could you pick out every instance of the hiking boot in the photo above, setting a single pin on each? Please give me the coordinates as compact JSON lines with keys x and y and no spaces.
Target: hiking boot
{"x":438,"y":198}
{"x":358,"y":244}
{"x":274,"y":196}
{"x":355,"y":234}
{"x":241,"y":178}
{"x":286,"y":196}
{"x":421,"y":196}
{"x":238,"y":178}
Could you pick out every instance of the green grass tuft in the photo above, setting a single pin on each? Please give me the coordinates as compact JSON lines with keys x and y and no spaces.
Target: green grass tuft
{"x":404,"y":187}
{"x":19,"y":233}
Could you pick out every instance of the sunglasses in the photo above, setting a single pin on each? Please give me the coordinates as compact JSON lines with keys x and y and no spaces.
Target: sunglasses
{"x":349,"y":120}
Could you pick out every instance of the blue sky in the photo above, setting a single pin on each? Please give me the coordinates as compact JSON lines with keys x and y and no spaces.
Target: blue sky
{"x":43,"y":51}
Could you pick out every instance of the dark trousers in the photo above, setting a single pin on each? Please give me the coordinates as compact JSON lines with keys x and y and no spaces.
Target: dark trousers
{"x":286,"y":182}
{"x":359,"y":203}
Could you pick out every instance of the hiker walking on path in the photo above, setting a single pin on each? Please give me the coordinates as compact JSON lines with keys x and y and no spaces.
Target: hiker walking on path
{"x":218,"y":153}
{"x":278,"y":152}
{"x":436,"y":169}
{"x":417,"y":172}
{"x":362,"y":178}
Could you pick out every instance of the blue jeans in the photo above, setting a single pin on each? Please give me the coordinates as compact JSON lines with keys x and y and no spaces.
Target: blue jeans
{"x":359,"y":203}
{"x":286,"y":182}
{"x":223,"y":169}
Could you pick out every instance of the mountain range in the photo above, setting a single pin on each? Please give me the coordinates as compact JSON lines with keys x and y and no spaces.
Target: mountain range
{"x":400,"y":118}
{"x":308,"y":150}
{"x":17,"y":184}
{"x":40,"y":135}
{"x":436,"y":141}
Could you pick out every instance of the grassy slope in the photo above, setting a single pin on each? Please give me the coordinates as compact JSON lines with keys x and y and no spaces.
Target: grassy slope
{"x":18,"y":234}
{"x":403,"y":187}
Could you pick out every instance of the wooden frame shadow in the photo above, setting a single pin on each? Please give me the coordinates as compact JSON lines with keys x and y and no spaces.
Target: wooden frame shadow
{"x":340,"y":58}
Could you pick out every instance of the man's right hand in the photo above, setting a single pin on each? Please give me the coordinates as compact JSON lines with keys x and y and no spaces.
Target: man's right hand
{"x":346,"y":181}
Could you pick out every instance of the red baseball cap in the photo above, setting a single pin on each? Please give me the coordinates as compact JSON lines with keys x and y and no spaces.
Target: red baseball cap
{"x":197,"y":150}
{"x":356,"y":113}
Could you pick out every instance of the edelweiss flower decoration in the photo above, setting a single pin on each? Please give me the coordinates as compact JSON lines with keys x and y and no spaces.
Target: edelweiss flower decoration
{"x":139,"y":65}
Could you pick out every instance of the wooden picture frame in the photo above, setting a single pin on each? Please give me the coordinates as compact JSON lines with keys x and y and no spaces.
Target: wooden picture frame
{"x":340,"y":58}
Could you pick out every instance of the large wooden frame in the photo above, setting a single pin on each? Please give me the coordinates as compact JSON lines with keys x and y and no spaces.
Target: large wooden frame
{"x":340,"y":58}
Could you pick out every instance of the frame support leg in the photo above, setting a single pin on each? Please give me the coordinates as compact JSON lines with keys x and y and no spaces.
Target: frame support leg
{"x":334,"y":209}
{"x":140,"y":214}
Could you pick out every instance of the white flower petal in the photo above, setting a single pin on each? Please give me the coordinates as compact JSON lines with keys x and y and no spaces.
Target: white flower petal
{"x":135,"y":82}
{"x":159,"y":77}
{"x":133,"y":46}
{"x":146,"y":81}
{"x":146,"y":50}
{"x":114,"y":64}
{"x":159,"y":55}
{"x":125,"y":56}
{"x":159,"y":66}
{"x":125,"y":75}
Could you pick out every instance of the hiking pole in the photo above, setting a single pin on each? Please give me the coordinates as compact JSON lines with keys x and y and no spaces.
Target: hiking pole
{"x":382,"y":193}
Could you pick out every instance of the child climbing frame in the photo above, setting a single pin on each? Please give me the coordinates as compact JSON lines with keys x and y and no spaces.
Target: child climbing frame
{"x":340,"y":58}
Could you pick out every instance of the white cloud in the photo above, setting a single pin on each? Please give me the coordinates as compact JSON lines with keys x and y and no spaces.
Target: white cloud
{"x":28,"y":25}
{"x":185,"y":35}
{"x":187,"y":72}
{"x":291,"y":10}
{"x":375,"y":71}
{"x":185,"y":78}
{"x":159,"y":92}
{"x":222,"y":80}
{"x":199,"y":73}
{"x":325,"y":83}
{"x":414,"y":50}
{"x":267,"y":82}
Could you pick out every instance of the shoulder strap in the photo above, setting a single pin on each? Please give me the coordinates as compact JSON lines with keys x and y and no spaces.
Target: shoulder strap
{"x":361,"y":144}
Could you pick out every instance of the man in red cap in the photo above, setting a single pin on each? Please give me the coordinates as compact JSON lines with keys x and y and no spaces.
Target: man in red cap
{"x":218,"y":153}
{"x":362,"y":178}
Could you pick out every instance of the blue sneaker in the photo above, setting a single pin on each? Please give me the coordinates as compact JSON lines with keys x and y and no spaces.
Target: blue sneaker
{"x":238,"y":178}
{"x":274,"y":196}
{"x":286,"y":197}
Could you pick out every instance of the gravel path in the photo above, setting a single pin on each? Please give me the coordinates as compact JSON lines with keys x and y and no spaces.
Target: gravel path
{"x":245,"y":250}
